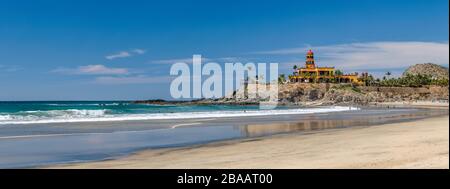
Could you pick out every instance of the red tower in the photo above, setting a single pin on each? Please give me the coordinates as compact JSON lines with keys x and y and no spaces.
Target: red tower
{"x":310,"y":60}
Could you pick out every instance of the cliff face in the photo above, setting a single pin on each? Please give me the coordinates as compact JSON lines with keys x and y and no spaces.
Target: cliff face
{"x":344,"y":94}
{"x":389,"y":94}
{"x":322,"y":93}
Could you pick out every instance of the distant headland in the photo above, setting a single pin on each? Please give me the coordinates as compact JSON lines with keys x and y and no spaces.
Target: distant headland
{"x":313,"y":85}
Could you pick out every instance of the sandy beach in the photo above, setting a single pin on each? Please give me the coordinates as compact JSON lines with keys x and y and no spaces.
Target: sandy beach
{"x":422,"y":143}
{"x":418,"y":104}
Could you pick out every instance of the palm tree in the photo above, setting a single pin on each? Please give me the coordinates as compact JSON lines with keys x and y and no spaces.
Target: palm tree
{"x":295,"y":70}
{"x":259,"y":78}
{"x":314,"y":77}
{"x":388,"y":74}
{"x":249,"y":68}
{"x":281,"y":79}
{"x":338,"y":73}
{"x":370,"y":80}
{"x":306,"y":75}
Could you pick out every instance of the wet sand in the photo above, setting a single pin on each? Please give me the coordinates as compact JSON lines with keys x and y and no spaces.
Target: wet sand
{"x":422,"y":143}
{"x":30,"y":146}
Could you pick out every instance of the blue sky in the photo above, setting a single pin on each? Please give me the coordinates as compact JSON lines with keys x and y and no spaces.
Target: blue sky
{"x":109,"y":50}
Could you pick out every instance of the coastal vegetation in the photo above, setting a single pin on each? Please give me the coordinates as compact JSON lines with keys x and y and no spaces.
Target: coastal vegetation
{"x":410,"y":80}
{"x":418,"y":75}
{"x":415,"y":76}
{"x":281,"y":79}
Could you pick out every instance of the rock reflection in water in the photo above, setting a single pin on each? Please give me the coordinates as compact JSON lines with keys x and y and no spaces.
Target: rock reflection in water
{"x":313,"y":124}
{"x":309,"y":125}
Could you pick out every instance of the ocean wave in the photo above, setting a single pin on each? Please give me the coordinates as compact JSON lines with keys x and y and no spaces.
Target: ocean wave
{"x":71,"y":116}
{"x":90,"y":104}
{"x":25,"y":117}
{"x":5,"y":117}
{"x":68,"y":112}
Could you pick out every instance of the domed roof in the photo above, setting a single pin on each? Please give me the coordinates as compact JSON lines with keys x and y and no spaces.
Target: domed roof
{"x":310,"y":52}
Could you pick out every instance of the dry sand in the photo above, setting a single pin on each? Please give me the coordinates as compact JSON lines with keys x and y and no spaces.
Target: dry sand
{"x":416,"y":104}
{"x":416,"y":144}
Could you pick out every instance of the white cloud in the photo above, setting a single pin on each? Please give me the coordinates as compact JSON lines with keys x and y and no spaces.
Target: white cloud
{"x":372,"y":55}
{"x":101,"y":69}
{"x":140,"y":79}
{"x":6,"y":68}
{"x":180,"y":60}
{"x":122,"y":54}
{"x":204,"y":60}
{"x":232,"y":60}
{"x":139,"y":51}
{"x":125,"y":54}
{"x":97,"y":69}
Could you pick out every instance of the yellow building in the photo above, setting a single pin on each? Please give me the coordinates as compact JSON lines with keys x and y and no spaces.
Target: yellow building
{"x":314,"y":74}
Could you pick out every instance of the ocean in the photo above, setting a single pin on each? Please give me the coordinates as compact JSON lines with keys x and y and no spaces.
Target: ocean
{"x":98,"y":111}
{"x":51,"y":132}
{"x":34,"y":134}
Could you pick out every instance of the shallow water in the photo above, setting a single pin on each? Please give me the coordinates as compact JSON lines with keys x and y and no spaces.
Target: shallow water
{"x":43,"y":144}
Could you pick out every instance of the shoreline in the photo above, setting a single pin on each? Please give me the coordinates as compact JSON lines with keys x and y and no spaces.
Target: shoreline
{"x":411,"y":144}
{"x":415,"y":104}
{"x":189,"y":115}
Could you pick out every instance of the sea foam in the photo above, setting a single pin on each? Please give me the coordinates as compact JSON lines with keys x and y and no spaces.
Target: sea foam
{"x":73,"y":116}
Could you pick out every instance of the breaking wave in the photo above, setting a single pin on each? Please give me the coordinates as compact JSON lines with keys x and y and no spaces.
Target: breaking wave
{"x":75,"y":115}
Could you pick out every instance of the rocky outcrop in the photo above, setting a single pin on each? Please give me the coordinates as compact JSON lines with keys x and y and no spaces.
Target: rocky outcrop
{"x":325,"y":94}
{"x":433,"y":70}
{"x":346,"y":94}
{"x":391,"y":94}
